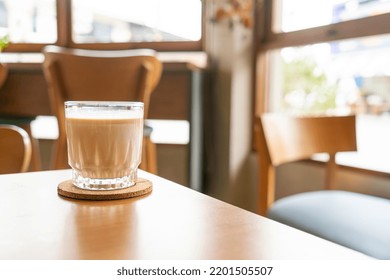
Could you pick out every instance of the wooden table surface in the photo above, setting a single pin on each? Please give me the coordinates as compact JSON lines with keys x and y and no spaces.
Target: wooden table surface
{"x":173,"y":222}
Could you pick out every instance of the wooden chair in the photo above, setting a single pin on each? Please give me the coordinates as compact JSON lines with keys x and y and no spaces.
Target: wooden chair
{"x":354,"y":220}
{"x":122,"y":75}
{"x":15,"y":149}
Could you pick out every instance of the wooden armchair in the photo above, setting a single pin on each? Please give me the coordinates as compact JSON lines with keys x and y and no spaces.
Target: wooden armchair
{"x":15,"y":149}
{"x":354,"y":220}
{"x":122,"y":75}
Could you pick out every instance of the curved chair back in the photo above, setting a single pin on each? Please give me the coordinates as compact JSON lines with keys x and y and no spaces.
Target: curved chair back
{"x":281,"y":139}
{"x":75,"y":74}
{"x":15,"y":149}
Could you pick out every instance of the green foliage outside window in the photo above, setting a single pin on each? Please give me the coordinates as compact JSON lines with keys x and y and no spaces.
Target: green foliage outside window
{"x":307,"y":90}
{"x":4,"y":41}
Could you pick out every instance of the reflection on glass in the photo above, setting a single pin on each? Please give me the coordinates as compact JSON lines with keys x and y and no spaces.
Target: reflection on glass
{"x":350,"y":76}
{"x":301,"y":14}
{"x":29,"y":21}
{"x":136,"y":21}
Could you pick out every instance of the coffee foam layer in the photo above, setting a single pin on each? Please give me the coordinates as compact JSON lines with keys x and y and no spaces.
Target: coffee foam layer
{"x":94,"y":114}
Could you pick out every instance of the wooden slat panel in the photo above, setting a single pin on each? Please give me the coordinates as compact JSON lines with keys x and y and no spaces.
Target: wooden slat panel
{"x":171,"y":97}
{"x":25,"y":92}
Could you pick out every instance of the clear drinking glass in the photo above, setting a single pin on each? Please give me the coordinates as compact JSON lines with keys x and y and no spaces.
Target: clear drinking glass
{"x":104,"y":143}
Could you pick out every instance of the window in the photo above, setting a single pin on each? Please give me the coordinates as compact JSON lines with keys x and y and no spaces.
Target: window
{"x":343,"y":77}
{"x":303,"y":14}
{"x":136,"y":21}
{"x":32,"y":21}
{"x":169,"y":25}
{"x":331,"y":60}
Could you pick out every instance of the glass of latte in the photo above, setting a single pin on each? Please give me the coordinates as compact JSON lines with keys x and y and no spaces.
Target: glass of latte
{"x":104,"y":143}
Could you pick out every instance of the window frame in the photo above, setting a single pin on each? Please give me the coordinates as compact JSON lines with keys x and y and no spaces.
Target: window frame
{"x":64,"y":37}
{"x":268,"y":40}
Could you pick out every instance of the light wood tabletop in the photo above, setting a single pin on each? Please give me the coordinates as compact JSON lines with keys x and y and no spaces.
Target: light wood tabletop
{"x":172,"y":222}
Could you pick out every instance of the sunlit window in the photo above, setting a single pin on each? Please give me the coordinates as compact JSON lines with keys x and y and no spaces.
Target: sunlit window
{"x":334,"y":70}
{"x":345,"y":77}
{"x":302,"y":14}
{"x":104,"y":21}
{"x":33,"y":23}
{"x":28,"y":21}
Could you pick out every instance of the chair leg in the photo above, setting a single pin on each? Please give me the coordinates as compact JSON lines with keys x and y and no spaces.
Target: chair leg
{"x":35,"y":151}
{"x":149,"y":156}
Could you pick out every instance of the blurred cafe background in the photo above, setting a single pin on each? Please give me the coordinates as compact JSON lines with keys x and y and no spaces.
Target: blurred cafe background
{"x":224,"y":62}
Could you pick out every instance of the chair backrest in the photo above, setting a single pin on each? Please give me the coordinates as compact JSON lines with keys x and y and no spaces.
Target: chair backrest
{"x":15,"y":149}
{"x":281,"y":139}
{"x":75,"y":74}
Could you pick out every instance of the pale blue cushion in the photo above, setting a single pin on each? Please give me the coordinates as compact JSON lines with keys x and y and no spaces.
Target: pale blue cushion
{"x":360,"y":222}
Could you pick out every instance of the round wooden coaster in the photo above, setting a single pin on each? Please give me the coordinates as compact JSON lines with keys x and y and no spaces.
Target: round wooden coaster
{"x":67,"y":189}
